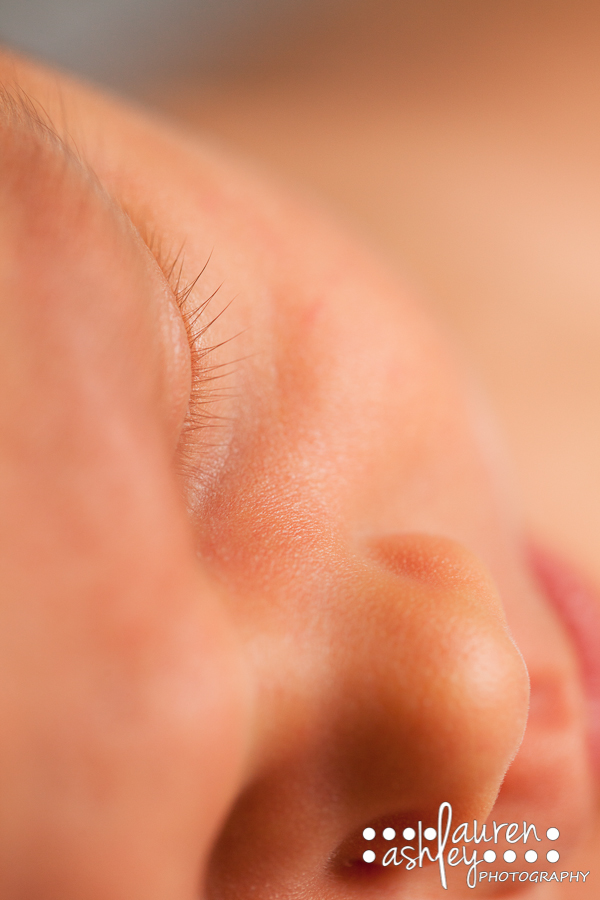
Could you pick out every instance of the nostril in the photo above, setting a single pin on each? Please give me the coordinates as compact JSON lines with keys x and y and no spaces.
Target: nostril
{"x":392,"y":849}
{"x":413,"y":695}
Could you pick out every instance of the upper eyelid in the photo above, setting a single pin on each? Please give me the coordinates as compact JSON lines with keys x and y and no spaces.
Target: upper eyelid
{"x":25,"y":116}
{"x":25,"y":113}
{"x":20,"y":110}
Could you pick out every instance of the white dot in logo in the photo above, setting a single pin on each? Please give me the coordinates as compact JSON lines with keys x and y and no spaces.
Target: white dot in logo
{"x":553,"y":834}
{"x":509,"y":856}
{"x":489,"y":856}
{"x":369,"y":834}
{"x":430,"y":834}
{"x":530,"y":856}
{"x":408,"y":834}
{"x":389,"y":834}
{"x":369,"y":856}
{"x":552,"y":856}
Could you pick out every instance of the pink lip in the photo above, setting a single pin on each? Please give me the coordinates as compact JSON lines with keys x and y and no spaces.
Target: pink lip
{"x":578,"y":605}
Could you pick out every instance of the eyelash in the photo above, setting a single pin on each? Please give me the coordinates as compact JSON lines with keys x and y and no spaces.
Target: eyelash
{"x":205,"y":387}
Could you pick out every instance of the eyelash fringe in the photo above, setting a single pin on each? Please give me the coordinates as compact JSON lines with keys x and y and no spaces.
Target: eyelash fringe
{"x":206,"y":377}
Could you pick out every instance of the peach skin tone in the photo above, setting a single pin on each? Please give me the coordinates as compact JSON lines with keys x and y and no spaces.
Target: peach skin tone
{"x":264,"y":582}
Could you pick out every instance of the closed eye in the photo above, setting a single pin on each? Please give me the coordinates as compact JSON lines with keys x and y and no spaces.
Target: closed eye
{"x":209,"y":377}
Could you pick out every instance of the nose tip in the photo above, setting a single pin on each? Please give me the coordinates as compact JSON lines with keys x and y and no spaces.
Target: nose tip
{"x":456,"y":684}
{"x":419,"y":698}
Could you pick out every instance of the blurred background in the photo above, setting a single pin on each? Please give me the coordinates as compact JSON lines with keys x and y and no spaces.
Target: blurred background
{"x":461,"y":137}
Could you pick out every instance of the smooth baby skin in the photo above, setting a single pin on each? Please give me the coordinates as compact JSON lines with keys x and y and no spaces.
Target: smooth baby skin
{"x":225,"y":660}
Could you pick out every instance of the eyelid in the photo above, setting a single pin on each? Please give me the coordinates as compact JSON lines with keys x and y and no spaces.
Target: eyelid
{"x":206,"y":383}
{"x":190,"y":400}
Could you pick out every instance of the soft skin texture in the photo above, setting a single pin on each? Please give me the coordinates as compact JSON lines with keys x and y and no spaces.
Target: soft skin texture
{"x":243,"y":618}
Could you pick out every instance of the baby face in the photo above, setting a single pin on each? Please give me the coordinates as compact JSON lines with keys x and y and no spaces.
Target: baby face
{"x":259,"y":511}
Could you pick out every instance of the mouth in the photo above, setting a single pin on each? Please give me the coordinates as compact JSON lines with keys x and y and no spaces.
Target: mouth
{"x":577,"y":603}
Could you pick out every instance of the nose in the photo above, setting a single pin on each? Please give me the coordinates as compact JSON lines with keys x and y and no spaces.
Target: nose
{"x":387,"y":684}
